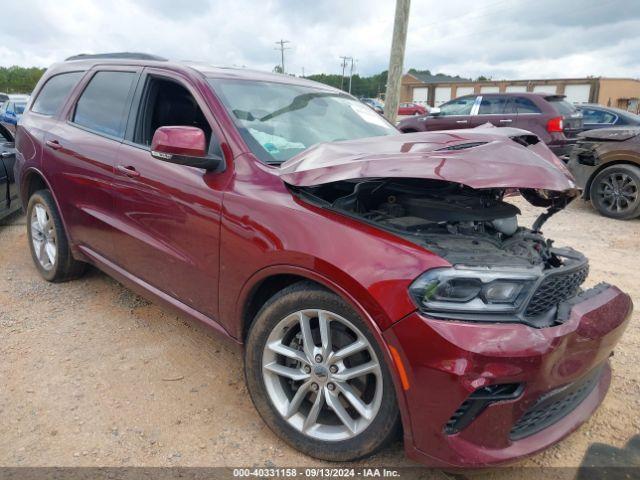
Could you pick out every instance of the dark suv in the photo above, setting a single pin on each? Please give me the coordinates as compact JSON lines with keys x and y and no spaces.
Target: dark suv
{"x":554,"y":120}
{"x":378,"y":283}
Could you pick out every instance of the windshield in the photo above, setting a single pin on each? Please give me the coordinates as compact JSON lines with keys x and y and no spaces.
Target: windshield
{"x":20,"y":108}
{"x":279,"y":120}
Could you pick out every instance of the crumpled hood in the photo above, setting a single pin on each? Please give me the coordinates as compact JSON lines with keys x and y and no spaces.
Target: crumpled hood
{"x":496,"y":160}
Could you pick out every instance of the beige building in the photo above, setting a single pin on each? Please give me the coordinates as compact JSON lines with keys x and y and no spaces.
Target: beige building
{"x":435,"y":90}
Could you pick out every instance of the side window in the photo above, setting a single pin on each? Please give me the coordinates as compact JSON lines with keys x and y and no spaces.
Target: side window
{"x":597,"y":116}
{"x":524,"y":105}
{"x":104,"y":104}
{"x":493,"y":105}
{"x":53,"y":94}
{"x":591,"y":116}
{"x":167,"y":103}
{"x":459,"y":106}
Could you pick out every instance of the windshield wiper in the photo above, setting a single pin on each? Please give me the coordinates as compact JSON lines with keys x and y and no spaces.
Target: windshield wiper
{"x":297,"y":103}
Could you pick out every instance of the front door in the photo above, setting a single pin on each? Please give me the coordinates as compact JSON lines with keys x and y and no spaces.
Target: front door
{"x":169,"y":214}
{"x":454,"y":114}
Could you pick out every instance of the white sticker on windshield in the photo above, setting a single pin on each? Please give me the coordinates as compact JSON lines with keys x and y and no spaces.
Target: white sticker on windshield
{"x":368,"y":114}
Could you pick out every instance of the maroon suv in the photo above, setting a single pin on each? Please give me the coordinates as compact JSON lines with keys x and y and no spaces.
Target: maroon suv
{"x":378,"y":283}
{"x":554,"y":120}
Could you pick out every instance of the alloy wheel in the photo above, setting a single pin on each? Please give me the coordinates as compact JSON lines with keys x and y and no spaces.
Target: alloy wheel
{"x":618,"y":192}
{"x":322,"y":375}
{"x":43,"y":236}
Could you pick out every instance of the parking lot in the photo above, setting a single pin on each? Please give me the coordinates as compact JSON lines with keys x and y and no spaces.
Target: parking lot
{"x":92,"y":374}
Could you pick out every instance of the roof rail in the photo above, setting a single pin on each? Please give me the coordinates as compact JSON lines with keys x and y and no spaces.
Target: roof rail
{"x":119,"y":55}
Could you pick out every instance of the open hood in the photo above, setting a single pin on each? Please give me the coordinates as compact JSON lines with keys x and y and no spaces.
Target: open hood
{"x":484,"y":157}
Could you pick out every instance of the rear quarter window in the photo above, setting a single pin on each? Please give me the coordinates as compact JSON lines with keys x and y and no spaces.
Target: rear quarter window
{"x":523,"y":105}
{"x":54,"y":92}
{"x":562,"y":106}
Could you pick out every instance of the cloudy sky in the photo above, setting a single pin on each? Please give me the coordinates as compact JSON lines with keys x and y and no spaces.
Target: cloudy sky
{"x":500,"y":39}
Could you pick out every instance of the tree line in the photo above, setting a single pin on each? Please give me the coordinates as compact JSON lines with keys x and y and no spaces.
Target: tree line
{"x":19,"y":79}
{"x":23,"y":80}
{"x":371,"y":87}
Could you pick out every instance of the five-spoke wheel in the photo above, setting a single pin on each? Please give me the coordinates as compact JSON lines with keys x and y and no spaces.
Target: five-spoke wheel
{"x":48,"y":240}
{"x":43,"y":236}
{"x":322,"y":375}
{"x":318,"y":377}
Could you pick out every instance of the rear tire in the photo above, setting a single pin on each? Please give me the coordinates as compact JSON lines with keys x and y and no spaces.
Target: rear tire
{"x":344,"y":429}
{"x":615,"y":192}
{"x":48,"y":241}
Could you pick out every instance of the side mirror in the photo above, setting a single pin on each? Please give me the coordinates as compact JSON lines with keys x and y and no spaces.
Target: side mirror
{"x":435,"y":111}
{"x":184,"y":146}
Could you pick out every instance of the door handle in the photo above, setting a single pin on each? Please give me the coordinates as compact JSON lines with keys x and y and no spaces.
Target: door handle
{"x":462,"y":121}
{"x":53,"y":144}
{"x":129,"y":171}
{"x":506,"y":120}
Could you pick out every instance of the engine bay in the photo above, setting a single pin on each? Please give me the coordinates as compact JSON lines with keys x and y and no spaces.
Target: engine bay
{"x":463,"y":225}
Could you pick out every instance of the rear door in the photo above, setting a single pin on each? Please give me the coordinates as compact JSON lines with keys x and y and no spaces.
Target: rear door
{"x":4,"y":188}
{"x":529,"y":116}
{"x":80,"y":153}
{"x":8,"y":188}
{"x":454,"y":114}
{"x":495,"y":109}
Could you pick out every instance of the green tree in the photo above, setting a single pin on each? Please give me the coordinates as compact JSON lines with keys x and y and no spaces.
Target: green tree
{"x":19,"y":79}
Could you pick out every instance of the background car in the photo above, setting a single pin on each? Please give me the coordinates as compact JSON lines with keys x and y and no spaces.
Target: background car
{"x":606,"y":165}
{"x":597,"y":116}
{"x":554,"y":120}
{"x":12,"y":109}
{"x":412,"y":109}
{"x":375,"y":104}
{"x":9,"y":201}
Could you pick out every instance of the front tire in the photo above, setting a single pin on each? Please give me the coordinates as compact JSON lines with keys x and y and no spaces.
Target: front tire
{"x":317,"y":376}
{"x":48,"y":241}
{"x":615,"y":192}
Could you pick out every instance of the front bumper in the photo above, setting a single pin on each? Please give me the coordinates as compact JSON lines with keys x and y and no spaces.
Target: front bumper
{"x":446,"y":361}
{"x":562,"y":149}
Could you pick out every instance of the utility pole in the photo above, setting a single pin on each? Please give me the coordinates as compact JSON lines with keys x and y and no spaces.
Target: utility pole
{"x":351,"y":74}
{"x":282,"y":48}
{"x":396,"y":59}
{"x":344,"y":65}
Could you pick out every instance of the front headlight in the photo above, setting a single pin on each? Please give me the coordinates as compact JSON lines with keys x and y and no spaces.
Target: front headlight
{"x":472,"y":290}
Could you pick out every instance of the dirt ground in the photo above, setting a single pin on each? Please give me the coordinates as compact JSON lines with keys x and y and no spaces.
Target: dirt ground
{"x":93,"y":375}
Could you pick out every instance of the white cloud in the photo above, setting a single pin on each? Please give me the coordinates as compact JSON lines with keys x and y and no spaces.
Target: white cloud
{"x":502,"y":39}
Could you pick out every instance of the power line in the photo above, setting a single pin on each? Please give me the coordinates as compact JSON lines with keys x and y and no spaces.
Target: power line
{"x":351,"y":72}
{"x":282,"y":48}
{"x":344,"y":65}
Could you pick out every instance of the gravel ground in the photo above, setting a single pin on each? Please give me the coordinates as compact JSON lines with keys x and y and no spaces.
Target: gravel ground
{"x":93,"y":375}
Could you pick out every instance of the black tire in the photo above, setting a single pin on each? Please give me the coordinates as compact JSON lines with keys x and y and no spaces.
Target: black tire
{"x":603,"y":197}
{"x":64,"y":267}
{"x":384,"y":427}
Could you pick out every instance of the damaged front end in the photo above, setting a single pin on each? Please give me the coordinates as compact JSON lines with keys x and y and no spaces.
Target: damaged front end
{"x":446,"y":193}
{"x":500,"y":271}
